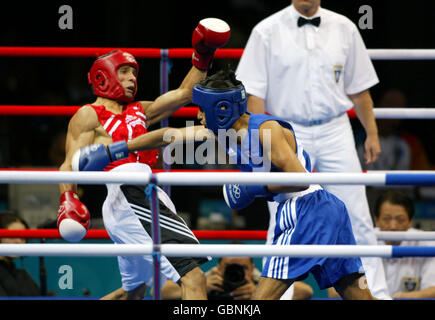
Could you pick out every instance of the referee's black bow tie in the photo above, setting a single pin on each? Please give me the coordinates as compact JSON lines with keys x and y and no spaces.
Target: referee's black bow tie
{"x":302,"y":21}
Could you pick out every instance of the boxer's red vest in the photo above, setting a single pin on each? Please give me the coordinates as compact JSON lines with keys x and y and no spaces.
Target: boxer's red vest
{"x":127,"y":126}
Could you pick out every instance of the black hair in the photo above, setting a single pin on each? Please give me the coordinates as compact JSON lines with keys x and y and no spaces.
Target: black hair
{"x":397,"y":198}
{"x":7,"y":218}
{"x":223,"y":79}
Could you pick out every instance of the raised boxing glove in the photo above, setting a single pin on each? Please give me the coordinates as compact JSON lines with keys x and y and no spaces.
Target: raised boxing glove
{"x":239,"y":196}
{"x":96,"y":157}
{"x":209,"y":35}
{"x":73,"y":218}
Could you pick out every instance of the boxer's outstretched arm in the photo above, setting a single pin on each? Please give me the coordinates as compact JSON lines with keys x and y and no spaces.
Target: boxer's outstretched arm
{"x":165,"y":136}
{"x":171,"y":101}
{"x":208,"y":36}
{"x":97,"y":156}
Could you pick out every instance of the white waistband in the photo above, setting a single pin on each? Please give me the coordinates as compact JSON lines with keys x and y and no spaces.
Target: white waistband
{"x":133,"y":166}
{"x":113,"y":189}
{"x":285,"y":196}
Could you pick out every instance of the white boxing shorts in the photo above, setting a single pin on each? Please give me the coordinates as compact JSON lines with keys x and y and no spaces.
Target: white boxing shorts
{"x":128,"y":220}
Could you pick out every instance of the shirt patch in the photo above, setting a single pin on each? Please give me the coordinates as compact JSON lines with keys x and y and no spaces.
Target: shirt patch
{"x":338,"y":68}
{"x":411,"y":283}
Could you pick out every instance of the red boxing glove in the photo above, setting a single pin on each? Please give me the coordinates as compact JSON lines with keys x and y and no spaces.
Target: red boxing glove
{"x":73,"y":218}
{"x":210,"y":34}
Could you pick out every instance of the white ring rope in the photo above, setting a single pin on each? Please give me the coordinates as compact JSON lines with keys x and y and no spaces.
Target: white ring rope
{"x":219,"y":178}
{"x":88,"y":177}
{"x":192,"y":250}
{"x":216,"y":250}
{"x":405,"y":235}
{"x":402,"y":54}
{"x":404,"y":113}
{"x":277,"y":178}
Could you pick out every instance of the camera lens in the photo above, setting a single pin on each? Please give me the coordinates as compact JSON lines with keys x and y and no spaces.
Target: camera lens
{"x":234,"y":277}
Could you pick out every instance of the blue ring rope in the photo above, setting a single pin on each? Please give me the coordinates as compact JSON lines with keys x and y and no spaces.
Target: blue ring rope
{"x":407,"y":179}
{"x":412,"y":251}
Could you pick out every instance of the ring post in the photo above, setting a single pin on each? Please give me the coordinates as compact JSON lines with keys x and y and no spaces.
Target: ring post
{"x":165,"y":68}
{"x":152,"y":196}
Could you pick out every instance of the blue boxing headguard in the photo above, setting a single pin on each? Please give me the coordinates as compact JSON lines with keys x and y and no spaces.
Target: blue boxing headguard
{"x":211,"y":101}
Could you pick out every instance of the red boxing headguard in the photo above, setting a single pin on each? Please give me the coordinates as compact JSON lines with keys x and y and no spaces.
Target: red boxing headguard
{"x":104,"y":78}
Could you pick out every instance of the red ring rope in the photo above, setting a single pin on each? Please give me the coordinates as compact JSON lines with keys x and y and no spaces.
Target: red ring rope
{"x":102,"y":234}
{"x":176,"y":53}
{"x":17,"y":110}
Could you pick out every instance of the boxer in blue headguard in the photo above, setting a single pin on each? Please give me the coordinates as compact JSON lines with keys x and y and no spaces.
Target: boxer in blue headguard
{"x":222,"y":107}
{"x":305,"y":214}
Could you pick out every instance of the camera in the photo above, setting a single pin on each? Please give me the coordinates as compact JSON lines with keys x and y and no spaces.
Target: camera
{"x":234,"y":277}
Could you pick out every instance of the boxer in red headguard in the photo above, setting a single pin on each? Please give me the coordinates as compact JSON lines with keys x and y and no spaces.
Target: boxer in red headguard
{"x":115,"y":117}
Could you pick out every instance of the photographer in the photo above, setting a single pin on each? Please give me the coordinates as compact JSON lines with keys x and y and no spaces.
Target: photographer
{"x":232,"y":278}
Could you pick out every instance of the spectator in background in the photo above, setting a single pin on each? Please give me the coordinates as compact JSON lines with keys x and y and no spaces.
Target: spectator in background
{"x":14,"y":281}
{"x":411,"y":277}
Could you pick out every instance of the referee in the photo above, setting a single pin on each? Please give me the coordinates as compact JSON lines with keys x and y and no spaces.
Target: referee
{"x":309,"y":65}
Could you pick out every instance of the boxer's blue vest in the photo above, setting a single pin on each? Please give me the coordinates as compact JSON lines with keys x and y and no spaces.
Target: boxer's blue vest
{"x":249,"y":155}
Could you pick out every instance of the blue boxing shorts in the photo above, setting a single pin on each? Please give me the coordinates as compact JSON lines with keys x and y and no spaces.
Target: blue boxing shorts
{"x":315,"y":218}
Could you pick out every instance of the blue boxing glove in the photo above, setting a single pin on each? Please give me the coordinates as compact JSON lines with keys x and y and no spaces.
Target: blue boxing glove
{"x":96,"y":157}
{"x":239,"y":196}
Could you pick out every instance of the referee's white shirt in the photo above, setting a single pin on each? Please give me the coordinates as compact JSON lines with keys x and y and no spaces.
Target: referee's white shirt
{"x":304,"y":74}
{"x":410,"y":273}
